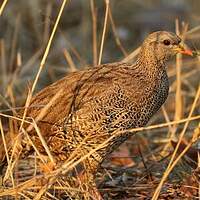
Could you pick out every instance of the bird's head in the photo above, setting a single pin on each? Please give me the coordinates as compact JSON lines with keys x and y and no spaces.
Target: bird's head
{"x":163,"y":45}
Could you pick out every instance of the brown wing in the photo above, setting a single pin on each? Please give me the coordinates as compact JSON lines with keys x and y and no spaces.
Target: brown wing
{"x":69,"y":94}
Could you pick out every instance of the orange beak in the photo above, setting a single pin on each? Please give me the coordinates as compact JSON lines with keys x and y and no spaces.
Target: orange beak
{"x":181,"y":49}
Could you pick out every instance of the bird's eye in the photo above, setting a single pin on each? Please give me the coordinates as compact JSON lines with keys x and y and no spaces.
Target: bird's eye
{"x":166,"y":42}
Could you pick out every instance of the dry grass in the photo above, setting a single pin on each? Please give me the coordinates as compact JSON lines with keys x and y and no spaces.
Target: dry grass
{"x":155,"y":168}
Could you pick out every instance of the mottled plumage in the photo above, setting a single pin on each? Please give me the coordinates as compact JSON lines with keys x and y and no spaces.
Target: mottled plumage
{"x":94,"y":103}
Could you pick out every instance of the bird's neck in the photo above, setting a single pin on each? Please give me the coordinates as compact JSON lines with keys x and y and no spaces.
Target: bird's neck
{"x":149,"y":63}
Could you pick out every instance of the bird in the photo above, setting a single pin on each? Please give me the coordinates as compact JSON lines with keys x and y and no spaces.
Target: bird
{"x":87,"y":107}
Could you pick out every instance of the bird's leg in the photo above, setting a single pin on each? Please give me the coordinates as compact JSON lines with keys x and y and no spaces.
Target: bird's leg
{"x":87,"y":182}
{"x":87,"y":178}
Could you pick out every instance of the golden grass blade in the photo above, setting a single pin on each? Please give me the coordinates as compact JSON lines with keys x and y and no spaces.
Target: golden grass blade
{"x":15,"y":118}
{"x":34,"y":147}
{"x":14,"y":42}
{"x":199,"y":168}
{"x":104,"y":31}
{"x":3,"y":64}
{"x":68,"y":58}
{"x":16,"y":151}
{"x":20,"y":187}
{"x":171,"y":133}
{"x":6,"y":151}
{"x":47,"y":22}
{"x":45,"y":109}
{"x":132,"y":55}
{"x":41,"y":192}
{"x":31,"y":61}
{"x":43,"y":142}
{"x":4,"y":101}
{"x":178,"y":96}
{"x":117,"y":40}
{"x":167,"y":118}
{"x":164,"y":124}
{"x":25,"y":196}
{"x":172,"y":162}
{"x":192,"y":141}
{"x":195,"y":29}
{"x":94,"y":32}
{"x":43,"y":60}
{"x":4,"y":142}
{"x":73,"y":50}
{"x":3,"y":6}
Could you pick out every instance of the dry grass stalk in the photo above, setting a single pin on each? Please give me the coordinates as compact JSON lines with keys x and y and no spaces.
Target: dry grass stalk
{"x":31,"y":61}
{"x":178,"y":97}
{"x":43,"y":142}
{"x":38,"y":118}
{"x":167,"y":118}
{"x":6,"y":151}
{"x":13,"y":77}
{"x":18,"y":142}
{"x":104,"y":31}
{"x":171,"y":132}
{"x":19,"y":59}
{"x":117,"y":40}
{"x":28,"y":100}
{"x":3,"y":6}
{"x":4,"y":141}
{"x":20,"y":187}
{"x":173,"y":162}
{"x":14,"y":118}
{"x":72,"y":49}
{"x":3,"y":100}
{"x":34,"y":147}
{"x":195,"y":137}
{"x":94,"y":32}
{"x":180,"y":79}
{"x":132,"y":55}
{"x":69,"y":60}
{"x":3,"y":63}
{"x":192,"y":31}
{"x":14,"y":42}
{"x":164,"y":124}
{"x":199,"y":166}
{"x":47,"y":22}
{"x":16,"y":150}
